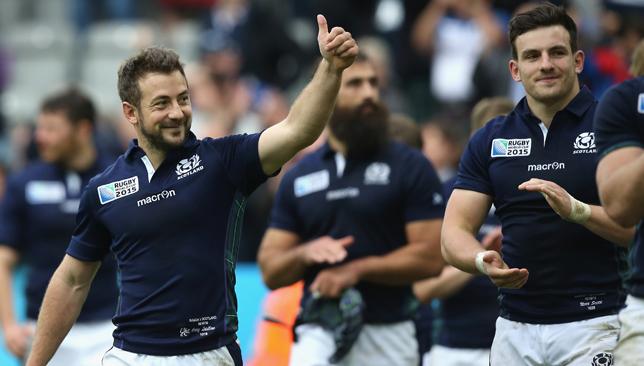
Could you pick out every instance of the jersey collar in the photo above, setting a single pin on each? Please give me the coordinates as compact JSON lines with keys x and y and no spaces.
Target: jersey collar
{"x":577,"y":106}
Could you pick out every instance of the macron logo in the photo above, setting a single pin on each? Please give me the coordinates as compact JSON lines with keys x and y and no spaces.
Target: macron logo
{"x":548,"y":166}
{"x":156,"y":197}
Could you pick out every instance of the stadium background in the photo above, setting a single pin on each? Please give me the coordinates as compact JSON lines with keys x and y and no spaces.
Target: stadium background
{"x":247,"y":59}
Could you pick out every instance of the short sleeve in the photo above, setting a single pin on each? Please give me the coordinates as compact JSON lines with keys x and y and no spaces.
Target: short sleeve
{"x":240,"y":156}
{"x":12,"y":211}
{"x":473,"y":168}
{"x":616,"y":119}
{"x":423,"y":190}
{"x":283,"y":213}
{"x":91,"y":240}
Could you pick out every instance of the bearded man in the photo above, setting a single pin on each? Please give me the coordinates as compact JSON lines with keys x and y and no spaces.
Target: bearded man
{"x":359,"y":220}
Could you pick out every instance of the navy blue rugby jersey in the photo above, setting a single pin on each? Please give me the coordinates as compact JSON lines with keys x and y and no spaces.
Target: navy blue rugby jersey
{"x":467,"y":318}
{"x":175,"y":235}
{"x":574,"y":274}
{"x":619,"y":122}
{"x":373,"y":201}
{"x":37,"y":218}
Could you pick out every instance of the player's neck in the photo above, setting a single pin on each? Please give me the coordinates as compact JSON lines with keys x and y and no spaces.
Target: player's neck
{"x":82,"y":159}
{"x":545,"y":110}
{"x":155,"y":155}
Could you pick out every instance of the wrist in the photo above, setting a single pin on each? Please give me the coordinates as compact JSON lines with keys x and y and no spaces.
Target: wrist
{"x":330,"y":69}
{"x":359,"y":267}
{"x":579,"y":211}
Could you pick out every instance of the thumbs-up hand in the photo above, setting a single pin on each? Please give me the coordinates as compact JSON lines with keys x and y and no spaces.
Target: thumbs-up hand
{"x":337,"y":47}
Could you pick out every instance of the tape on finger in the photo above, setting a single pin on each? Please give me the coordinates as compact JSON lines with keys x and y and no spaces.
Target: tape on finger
{"x":480,"y":263}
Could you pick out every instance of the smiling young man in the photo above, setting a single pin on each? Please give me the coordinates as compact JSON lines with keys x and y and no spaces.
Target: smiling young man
{"x":170,"y":210}
{"x":559,"y":273}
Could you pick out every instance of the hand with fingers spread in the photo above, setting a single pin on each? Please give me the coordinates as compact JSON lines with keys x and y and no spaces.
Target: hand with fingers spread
{"x":493,"y":240}
{"x":332,"y":281}
{"x":559,"y":199}
{"x":326,"y":249}
{"x":337,"y":47}
{"x":491,"y":264}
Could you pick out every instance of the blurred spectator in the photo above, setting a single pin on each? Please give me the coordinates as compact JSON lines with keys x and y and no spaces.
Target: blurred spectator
{"x":443,"y":139}
{"x":380,"y":55}
{"x":265,"y":46}
{"x":453,"y":34}
{"x":491,"y":76}
{"x":488,"y":108}
{"x":607,"y":62}
{"x":637,"y":64}
{"x":85,"y":12}
{"x":403,"y":128}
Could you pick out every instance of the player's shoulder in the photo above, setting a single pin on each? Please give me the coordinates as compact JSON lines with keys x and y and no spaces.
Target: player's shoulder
{"x":624,"y":91}
{"x":494,"y":128}
{"x":112,"y":172}
{"x":36,"y":170}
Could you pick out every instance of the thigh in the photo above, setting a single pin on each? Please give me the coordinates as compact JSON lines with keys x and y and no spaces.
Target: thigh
{"x":630,"y":347}
{"x":583,"y":343}
{"x":314,"y":346}
{"x":516,"y":344}
{"x":445,"y":356}
{"x":385,"y":345}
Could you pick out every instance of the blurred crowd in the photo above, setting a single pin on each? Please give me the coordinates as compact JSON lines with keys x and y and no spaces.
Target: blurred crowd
{"x":246,"y":59}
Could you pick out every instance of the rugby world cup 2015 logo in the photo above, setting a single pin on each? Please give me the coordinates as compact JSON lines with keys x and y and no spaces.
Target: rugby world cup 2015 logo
{"x":119,"y":189}
{"x":189,"y":166}
{"x":506,"y":148}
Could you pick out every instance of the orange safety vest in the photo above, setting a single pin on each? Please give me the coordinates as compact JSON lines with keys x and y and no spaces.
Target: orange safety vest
{"x":274,"y":335}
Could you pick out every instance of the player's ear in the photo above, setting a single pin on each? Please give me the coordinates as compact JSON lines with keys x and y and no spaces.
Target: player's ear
{"x":129,"y":111}
{"x":513,"y":65}
{"x":579,"y":57}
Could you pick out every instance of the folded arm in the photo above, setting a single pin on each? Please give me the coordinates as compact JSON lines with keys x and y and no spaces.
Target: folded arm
{"x":418,"y":259}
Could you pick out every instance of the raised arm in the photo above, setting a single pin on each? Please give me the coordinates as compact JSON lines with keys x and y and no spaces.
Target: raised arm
{"x":594,"y":218}
{"x":464,"y":215}
{"x":418,"y":259}
{"x":63,"y":301}
{"x":313,"y":107}
{"x":620,"y":180}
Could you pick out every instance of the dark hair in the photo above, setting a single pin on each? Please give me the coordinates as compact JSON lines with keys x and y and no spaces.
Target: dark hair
{"x":544,"y":15}
{"x":148,"y":60}
{"x":76,"y":105}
